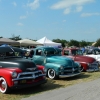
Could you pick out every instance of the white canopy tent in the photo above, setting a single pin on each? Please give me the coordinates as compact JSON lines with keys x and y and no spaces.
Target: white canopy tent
{"x":27,"y":42}
{"x":47,"y":42}
{"x":8,"y":41}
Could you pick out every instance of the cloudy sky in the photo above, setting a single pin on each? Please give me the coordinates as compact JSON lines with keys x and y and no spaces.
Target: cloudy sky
{"x":63,"y":19}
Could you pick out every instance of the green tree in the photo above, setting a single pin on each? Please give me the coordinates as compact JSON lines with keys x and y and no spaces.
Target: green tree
{"x":16,"y":38}
{"x":84,"y":43}
{"x":74,"y":43}
{"x":1,"y":37}
{"x":63,"y":42}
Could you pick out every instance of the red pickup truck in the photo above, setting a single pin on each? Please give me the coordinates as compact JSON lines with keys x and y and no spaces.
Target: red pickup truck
{"x":87,"y":63}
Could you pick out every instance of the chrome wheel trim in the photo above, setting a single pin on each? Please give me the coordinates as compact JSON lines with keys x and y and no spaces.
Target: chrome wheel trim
{"x":51,"y":73}
{"x":3,"y":85}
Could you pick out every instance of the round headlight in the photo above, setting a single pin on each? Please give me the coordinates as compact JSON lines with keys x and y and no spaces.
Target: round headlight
{"x":14,"y":74}
{"x":61,"y":68}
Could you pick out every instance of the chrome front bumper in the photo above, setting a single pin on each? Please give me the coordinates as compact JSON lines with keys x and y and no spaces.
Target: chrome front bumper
{"x":93,"y":70}
{"x":69,"y":75}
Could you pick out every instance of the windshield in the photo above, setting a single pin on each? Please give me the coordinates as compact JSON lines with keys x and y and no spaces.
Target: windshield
{"x":95,"y":51}
{"x":77,"y":52}
{"x":9,"y":53}
{"x":51,"y":51}
{"x":58,"y":51}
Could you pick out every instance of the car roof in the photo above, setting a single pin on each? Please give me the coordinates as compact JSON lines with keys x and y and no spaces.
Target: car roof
{"x":17,"y":49}
{"x":43,"y":47}
{"x":9,"y":49}
{"x":5,"y":49}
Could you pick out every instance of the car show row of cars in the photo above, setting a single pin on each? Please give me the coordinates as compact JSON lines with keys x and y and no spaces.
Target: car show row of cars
{"x":18,"y":70}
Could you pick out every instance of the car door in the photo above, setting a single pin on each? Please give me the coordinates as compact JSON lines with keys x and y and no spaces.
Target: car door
{"x":39,"y":58}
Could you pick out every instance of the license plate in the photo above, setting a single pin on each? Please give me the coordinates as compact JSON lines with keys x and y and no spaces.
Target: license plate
{"x":23,"y":81}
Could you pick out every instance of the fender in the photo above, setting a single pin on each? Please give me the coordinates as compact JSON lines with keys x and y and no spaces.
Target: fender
{"x":53,"y":66}
{"x":83,"y":64}
{"x":40,"y":67}
{"x":6,"y":73}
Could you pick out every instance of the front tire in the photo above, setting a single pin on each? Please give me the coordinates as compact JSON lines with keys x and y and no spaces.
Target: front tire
{"x":3,"y":86}
{"x":52,"y":74}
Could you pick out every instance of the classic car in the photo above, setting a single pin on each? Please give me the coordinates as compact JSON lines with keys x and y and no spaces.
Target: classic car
{"x":87,"y":63}
{"x":18,"y":72}
{"x":94,"y":52}
{"x":56,"y":66}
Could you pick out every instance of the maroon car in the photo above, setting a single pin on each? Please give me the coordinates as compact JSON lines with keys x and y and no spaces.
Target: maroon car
{"x":87,"y":63}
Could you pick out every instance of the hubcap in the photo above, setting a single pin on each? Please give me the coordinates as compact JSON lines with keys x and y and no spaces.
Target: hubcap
{"x":52,"y":73}
{"x":3,"y":85}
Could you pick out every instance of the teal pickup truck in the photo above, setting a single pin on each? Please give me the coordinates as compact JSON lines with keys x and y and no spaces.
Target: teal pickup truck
{"x":56,"y":66}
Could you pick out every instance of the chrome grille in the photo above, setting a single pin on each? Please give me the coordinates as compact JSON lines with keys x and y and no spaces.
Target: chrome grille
{"x":71,"y":70}
{"x":94,"y":65}
{"x":29,"y":75}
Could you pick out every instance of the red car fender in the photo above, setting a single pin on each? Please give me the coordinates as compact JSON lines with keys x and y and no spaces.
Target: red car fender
{"x":84,"y":64}
{"x":40,"y":67}
{"x":6,"y":73}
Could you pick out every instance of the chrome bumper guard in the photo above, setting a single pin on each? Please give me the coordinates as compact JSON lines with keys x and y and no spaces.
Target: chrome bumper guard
{"x":93,"y":70}
{"x":69,"y":75}
{"x":29,"y":75}
{"x":94,"y":67}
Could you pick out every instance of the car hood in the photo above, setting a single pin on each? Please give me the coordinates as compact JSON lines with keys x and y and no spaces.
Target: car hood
{"x":84,"y":59}
{"x":94,"y":56}
{"x":60,"y":60}
{"x":21,"y":63}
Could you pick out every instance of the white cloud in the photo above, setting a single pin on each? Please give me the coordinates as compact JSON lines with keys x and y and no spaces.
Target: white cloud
{"x":19,"y":24}
{"x":14,"y":3}
{"x":67,"y":11}
{"x":68,"y":4}
{"x":89,"y":14}
{"x":23,"y":17}
{"x":64,"y":20}
{"x":34,"y":5}
{"x":79,"y":8}
{"x":44,"y":0}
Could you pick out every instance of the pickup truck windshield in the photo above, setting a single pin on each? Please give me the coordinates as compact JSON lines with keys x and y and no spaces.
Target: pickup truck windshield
{"x":50,"y":51}
{"x":93,"y":51}
{"x":77,"y":52}
{"x":10,"y":52}
{"x":10,"y":55}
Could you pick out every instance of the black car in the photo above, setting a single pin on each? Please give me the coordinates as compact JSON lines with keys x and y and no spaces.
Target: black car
{"x":18,"y":72}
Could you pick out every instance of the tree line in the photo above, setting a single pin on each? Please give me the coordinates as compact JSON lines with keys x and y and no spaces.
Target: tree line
{"x":65,"y":43}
